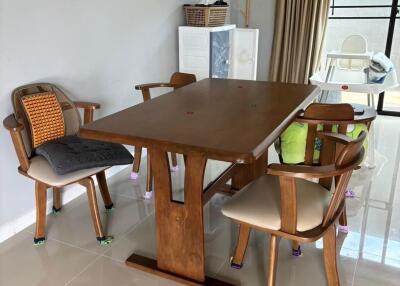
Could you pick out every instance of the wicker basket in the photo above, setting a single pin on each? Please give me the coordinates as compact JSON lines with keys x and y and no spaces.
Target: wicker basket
{"x":211,"y":16}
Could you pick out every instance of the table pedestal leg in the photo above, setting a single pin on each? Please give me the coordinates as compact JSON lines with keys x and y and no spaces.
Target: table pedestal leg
{"x":249,"y":172}
{"x":180,"y":229}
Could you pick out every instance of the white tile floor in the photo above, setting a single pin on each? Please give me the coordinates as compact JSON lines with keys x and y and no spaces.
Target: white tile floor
{"x":368,"y":255}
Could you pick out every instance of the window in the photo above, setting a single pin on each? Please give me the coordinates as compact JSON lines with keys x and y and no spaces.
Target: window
{"x":378,"y":22}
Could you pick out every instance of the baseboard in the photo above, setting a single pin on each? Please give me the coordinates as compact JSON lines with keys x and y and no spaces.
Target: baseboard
{"x":13,"y":227}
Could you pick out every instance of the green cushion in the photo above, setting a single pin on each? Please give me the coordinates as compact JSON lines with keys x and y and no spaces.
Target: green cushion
{"x":294,"y":139}
{"x":293,"y":143}
{"x":355,"y":132}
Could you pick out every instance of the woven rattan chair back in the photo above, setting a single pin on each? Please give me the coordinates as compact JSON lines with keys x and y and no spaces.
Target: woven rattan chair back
{"x":72,"y":120}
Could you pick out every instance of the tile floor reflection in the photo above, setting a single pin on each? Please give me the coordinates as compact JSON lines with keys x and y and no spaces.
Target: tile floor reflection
{"x":368,"y":255}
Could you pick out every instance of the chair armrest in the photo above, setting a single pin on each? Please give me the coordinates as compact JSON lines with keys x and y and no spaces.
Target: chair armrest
{"x":145,"y":88}
{"x":335,"y":137}
{"x":11,"y":124}
{"x":87,"y":105}
{"x":305,"y":172}
{"x":152,"y":85}
{"x":15,"y":128}
{"x":88,"y":108}
{"x":302,"y":119}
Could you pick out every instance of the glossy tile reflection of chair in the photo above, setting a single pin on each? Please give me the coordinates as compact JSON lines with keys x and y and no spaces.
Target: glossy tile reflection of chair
{"x":177,"y":80}
{"x":286,"y":204}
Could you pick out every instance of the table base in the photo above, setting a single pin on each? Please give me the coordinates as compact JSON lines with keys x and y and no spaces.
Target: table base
{"x":150,"y":265}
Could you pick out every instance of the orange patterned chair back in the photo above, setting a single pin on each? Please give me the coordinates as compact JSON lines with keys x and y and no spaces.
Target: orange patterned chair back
{"x":45,"y":112}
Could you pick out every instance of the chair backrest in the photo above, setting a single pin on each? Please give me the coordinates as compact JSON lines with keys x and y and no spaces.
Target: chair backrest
{"x":179,"y":79}
{"x":331,"y":118}
{"x":350,"y":156}
{"x":355,"y":44}
{"x":72,"y":120}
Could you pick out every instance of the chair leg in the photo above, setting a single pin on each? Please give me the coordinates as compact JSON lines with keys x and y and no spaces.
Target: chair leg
{"x":296,"y":248}
{"x":94,"y":210}
{"x":244,"y":234}
{"x":136,"y":163}
{"x":149,"y":183}
{"x":174,"y":160}
{"x":343,"y":227}
{"x":349,"y":194}
{"x":101,"y":179}
{"x":330,"y":256}
{"x":57,"y":205}
{"x":273,"y":259}
{"x":41,"y":205}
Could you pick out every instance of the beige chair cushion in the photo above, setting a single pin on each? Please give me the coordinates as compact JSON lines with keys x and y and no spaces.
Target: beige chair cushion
{"x":41,"y":170}
{"x":259,"y":204}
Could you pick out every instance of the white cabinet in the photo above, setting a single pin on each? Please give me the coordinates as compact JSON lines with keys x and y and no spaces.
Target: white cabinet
{"x":219,"y":52}
{"x":244,"y":54}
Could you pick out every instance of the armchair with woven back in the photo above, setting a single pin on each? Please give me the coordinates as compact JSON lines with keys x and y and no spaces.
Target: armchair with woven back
{"x":302,"y":203}
{"x":44,"y":129}
{"x":177,"y":80}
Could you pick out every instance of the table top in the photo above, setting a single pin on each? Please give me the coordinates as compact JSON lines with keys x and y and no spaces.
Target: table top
{"x":227,"y":120}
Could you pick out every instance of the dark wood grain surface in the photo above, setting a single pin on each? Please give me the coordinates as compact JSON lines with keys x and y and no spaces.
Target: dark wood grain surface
{"x":230,"y":120}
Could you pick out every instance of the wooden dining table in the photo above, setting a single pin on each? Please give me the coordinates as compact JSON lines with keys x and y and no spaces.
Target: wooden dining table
{"x":221,"y":119}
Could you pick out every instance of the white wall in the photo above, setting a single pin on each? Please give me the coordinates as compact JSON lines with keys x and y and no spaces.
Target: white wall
{"x":97,"y":50}
{"x":262,"y":17}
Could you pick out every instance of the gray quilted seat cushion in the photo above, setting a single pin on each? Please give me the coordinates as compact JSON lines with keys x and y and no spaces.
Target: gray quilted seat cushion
{"x":72,"y":153}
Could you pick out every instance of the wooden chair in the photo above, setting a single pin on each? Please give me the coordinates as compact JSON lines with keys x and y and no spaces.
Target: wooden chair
{"x":328,"y":116}
{"x":177,"y":80}
{"x":287,"y":204}
{"x":38,"y":169}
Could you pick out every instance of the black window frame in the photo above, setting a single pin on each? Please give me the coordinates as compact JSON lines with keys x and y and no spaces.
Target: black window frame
{"x":389,"y":41}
